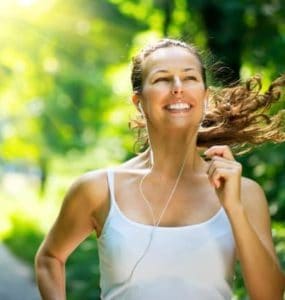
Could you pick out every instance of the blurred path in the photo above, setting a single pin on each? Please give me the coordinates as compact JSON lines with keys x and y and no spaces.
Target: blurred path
{"x":16,"y":278}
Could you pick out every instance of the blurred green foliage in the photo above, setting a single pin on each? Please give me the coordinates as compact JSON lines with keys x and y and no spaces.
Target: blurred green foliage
{"x":64,"y":101}
{"x":83,"y":272}
{"x":24,"y":237}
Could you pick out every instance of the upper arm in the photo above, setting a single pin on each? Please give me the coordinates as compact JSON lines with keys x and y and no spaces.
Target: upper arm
{"x":75,"y":220}
{"x":256,"y":207}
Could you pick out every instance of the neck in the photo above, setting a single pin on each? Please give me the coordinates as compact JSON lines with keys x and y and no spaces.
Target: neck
{"x":171,"y":151}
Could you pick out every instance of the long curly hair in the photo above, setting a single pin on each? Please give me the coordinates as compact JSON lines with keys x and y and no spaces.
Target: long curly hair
{"x":237,"y":115}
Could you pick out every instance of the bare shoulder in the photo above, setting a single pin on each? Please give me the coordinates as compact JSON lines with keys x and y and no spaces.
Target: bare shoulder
{"x":254,"y":200}
{"x":255,"y":204}
{"x":76,"y":218}
{"x":251,"y":189}
{"x":85,"y":195}
{"x":257,"y":210}
{"x":91,"y":186}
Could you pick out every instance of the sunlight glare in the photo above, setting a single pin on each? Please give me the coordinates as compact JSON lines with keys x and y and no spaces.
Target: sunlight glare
{"x":27,"y":2}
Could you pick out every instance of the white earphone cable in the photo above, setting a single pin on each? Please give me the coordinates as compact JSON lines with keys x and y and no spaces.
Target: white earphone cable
{"x":155,"y":224}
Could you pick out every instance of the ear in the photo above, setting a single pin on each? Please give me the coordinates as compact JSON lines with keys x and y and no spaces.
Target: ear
{"x":136,"y":100}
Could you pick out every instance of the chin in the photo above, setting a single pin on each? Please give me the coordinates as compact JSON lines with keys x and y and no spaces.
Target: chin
{"x":183,"y":126}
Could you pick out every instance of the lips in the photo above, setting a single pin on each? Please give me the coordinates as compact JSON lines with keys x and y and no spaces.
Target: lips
{"x":178,"y":107}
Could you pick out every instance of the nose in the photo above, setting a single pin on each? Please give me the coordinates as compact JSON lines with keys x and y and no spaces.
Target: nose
{"x":177,"y":87}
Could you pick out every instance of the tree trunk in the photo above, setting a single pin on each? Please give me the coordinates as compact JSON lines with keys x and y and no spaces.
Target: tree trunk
{"x":167,"y":7}
{"x":225,"y":30}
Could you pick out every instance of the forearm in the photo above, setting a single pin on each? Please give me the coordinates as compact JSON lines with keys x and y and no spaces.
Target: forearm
{"x":262,"y":275}
{"x":50,"y":274}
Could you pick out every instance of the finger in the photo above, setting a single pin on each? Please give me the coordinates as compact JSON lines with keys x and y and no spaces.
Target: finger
{"x":220,"y":175}
{"x":220,"y":161}
{"x":215,"y":168}
{"x":222,"y":151}
{"x":219,"y":164}
{"x":224,"y":173}
{"x":219,"y":158}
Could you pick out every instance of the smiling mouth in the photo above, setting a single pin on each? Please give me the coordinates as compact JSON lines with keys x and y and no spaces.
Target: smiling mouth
{"x":178,"y":107}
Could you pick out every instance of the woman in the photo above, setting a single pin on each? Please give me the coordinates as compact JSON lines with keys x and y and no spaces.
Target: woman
{"x":169,"y":223}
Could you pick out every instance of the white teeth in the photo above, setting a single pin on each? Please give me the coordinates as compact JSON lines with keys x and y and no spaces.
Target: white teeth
{"x":178,"y":106}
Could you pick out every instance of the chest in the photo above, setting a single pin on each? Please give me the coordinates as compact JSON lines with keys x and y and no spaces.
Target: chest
{"x":149,"y":202}
{"x":198,"y":252}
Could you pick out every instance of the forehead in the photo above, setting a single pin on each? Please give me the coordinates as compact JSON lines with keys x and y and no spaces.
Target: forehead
{"x":170,"y":59}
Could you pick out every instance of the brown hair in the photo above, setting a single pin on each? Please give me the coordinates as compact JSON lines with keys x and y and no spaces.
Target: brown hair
{"x":137,"y":69}
{"x":237,"y":116}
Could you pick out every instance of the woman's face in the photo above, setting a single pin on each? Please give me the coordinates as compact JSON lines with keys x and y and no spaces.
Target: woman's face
{"x":173,"y":92}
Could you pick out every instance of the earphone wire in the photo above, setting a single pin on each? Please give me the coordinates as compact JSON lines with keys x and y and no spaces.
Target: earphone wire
{"x":170,"y":195}
{"x":155,"y":224}
{"x":126,"y":282}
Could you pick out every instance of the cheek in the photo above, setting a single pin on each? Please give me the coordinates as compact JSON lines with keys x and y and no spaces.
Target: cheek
{"x":154,"y":92}
{"x":198,"y":94}
{"x":197,"y":86}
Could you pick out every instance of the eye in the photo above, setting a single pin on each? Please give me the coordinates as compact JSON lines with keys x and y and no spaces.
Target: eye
{"x":161,"y":79}
{"x":194,"y":78}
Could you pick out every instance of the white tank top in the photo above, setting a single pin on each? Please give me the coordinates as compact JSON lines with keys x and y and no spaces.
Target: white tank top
{"x":191,"y":262}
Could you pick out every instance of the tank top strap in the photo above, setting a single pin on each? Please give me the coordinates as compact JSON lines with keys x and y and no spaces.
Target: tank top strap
{"x":111,"y":185}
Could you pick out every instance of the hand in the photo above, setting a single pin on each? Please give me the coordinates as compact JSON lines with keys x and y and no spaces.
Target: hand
{"x":225,"y":175}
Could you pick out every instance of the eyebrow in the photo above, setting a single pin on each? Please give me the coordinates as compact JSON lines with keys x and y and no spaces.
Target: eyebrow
{"x":188,"y":69}
{"x":166,"y":71}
